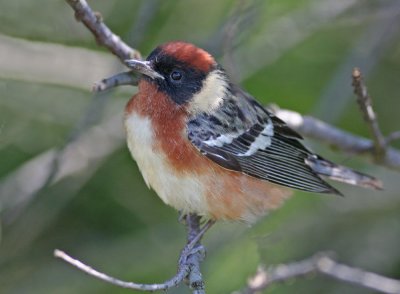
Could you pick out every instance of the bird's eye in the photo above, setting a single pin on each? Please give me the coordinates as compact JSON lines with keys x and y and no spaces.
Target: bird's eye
{"x":176,"y":75}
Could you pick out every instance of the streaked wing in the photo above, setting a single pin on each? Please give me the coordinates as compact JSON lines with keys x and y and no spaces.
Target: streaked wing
{"x":242,"y":136}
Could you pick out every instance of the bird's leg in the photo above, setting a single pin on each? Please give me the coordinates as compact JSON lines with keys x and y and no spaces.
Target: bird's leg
{"x":202,"y":231}
{"x":195,"y":235}
{"x":182,"y":217}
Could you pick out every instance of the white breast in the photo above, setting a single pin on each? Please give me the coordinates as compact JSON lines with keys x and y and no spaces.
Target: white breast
{"x":184,"y":192}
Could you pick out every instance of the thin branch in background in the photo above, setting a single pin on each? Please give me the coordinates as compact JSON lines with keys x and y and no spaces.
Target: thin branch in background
{"x":55,"y":164}
{"x":368,"y":49}
{"x":51,"y":172}
{"x":284,"y":33}
{"x":243,"y":17}
{"x":320,"y":263}
{"x":188,"y":266}
{"x":145,"y":15}
{"x":365,"y":102}
{"x":104,"y":36}
{"x":392,"y":137}
{"x":91,"y":116}
{"x":230,"y":32}
{"x":81,"y":157}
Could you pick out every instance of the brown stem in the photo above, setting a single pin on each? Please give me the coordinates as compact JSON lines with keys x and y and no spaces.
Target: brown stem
{"x":365,"y":102}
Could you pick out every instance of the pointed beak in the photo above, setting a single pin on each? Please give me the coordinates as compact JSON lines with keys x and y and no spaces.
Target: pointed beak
{"x":143,"y":67}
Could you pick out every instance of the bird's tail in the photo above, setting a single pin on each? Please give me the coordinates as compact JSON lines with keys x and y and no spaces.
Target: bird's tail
{"x":343,"y":174}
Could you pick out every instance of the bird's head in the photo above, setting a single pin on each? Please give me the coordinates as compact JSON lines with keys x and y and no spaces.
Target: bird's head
{"x":188,"y":75}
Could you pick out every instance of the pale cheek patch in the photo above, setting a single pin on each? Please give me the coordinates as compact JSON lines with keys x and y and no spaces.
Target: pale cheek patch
{"x":211,"y":95}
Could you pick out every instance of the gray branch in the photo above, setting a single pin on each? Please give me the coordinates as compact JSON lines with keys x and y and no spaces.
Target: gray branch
{"x":323,"y":264}
{"x":338,"y":139}
{"x":188,"y":266}
{"x":177,"y":279}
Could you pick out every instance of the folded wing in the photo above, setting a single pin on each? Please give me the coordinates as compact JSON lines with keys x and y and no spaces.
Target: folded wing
{"x":242,"y":136}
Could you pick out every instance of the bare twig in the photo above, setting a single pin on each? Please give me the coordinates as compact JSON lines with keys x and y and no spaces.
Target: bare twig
{"x":335,"y":137}
{"x":320,"y":263}
{"x":104,"y":36}
{"x":146,"y":13}
{"x":188,"y":265}
{"x":230,"y":32}
{"x":365,"y":103}
{"x":374,"y":41}
{"x":177,"y":279}
{"x":286,"y":32}
{"x":125,"y":78}
{"x":392,"y":137}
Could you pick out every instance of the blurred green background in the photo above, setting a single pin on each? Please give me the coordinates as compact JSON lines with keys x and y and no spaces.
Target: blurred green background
{"x":95,"y":206}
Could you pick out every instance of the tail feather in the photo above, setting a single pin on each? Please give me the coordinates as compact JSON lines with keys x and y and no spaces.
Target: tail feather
{"x":343,"y":174}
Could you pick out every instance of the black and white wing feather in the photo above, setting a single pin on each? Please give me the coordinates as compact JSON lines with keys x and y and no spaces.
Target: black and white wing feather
{"x":243,"y":136}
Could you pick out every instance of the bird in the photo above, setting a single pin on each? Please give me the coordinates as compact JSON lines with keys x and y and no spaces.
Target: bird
{"x":207,"y":147}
